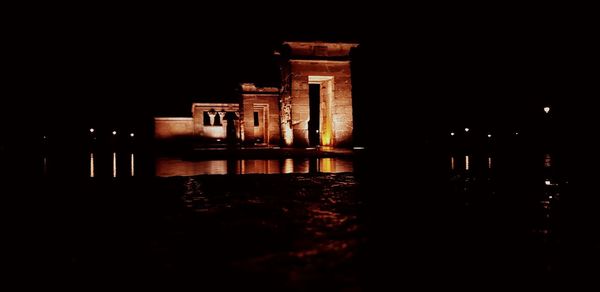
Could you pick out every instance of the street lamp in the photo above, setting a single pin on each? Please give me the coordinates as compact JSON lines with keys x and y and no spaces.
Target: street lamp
{"x":546,"y":109}
{"x":114,"y":133}
{"x":92,"y":130}
{"x":466,"y":129}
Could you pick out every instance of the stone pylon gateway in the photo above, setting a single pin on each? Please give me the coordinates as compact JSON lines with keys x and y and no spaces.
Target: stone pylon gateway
{"x":316,"y":94}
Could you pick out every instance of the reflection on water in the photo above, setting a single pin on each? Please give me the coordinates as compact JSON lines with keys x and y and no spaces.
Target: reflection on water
{"x":288,"y":165}
{"x":132,"y":165}
{"x":547,"y":160}
{"x":166,"y":166}
{"x":91,"y":164}
{"x":114,"y":164}
{"x":537,"y":188}
{"x":45,"y":169}
{"x":326,"y":165}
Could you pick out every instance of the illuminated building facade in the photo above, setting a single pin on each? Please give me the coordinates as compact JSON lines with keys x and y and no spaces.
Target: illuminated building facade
{"x":312,"y":107}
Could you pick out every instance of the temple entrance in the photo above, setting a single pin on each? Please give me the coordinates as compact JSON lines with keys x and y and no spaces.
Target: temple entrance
{"x":314,"y":95}
{"x":320,"y":124}
{"x":260,"y":123}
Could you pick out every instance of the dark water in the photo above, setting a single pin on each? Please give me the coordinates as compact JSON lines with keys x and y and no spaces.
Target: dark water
{"x":309,"y":224}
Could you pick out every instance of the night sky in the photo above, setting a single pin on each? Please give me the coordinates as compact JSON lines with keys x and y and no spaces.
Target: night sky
{"x":118,"y":68}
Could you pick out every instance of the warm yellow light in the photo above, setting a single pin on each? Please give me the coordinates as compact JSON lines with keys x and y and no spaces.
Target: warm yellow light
{"x":326,"y":165}
{"x":326,"y":138}
{"x":452,"y":163}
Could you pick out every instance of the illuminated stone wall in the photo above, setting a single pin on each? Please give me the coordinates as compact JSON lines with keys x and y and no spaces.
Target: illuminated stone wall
{"x":265,"y":102}
{"x":213,"y":130}
{"x":327,"y":64}
{"x":172,"y":128}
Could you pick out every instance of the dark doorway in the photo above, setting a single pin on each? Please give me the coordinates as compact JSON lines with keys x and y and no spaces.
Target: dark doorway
{"x":231,"y":137}
{"x":314,"y":96}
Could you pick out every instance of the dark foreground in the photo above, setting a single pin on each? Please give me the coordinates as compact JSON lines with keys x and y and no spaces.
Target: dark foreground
{"x":429,"y":226}
{"x":295,"y":232}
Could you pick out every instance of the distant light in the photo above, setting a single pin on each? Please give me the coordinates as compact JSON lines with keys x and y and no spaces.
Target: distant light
{"x":317,"y":131}
{"x":451,"y":133}
{"x":466,"y":129}
{"x":218,"y":140}
{"x":131,"y":134}
{"x":516,"y":133}
{"x":45,"y":137}
{"x":548,"y":183}
{"x":91,"y":130}
{"x":547,"y":109}
{"x":114,"y":133}
{"x":358,"y":148}
{"x":489,"y":135}
{"x":311,"y":148}
{"x":550,"y":197}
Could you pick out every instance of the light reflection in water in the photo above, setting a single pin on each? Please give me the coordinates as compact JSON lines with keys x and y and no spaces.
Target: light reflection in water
{"x":466,"y":162}
{"x":114,"y":164}
{"x":489,"y":162}
{"x":91,"y":164}
{"x":326,"y":165}
{"x":132,"y":164}
{"x":177,"y":167}
{"x":452,"y":163}
{"x":547,"y":160}
{"x":259,"y":166}
{"x":45,"y":169}
{"x":288,"y":165}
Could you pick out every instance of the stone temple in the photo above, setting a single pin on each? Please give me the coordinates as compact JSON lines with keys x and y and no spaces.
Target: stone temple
{"x":312,"y":107}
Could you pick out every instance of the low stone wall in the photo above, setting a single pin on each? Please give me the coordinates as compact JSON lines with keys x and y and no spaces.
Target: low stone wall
{"x":171,"y":128}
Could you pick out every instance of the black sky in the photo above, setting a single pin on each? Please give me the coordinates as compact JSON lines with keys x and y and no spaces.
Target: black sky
{"x":118,"y":67}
